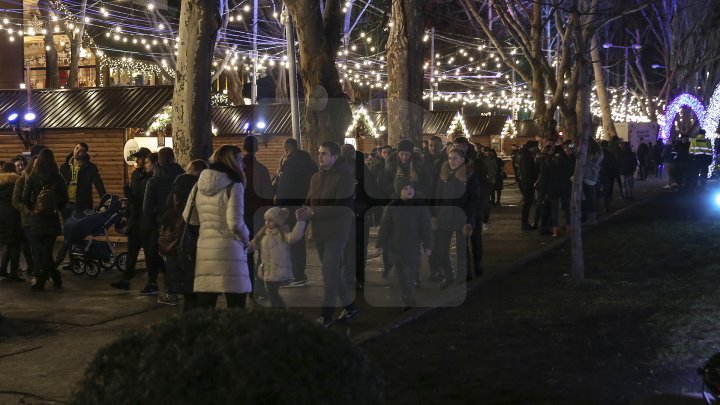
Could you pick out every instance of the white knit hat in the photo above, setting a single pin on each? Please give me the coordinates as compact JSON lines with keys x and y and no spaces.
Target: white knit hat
{"x":277,"y":214}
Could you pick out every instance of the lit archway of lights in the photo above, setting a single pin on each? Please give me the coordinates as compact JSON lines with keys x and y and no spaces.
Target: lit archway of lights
{"x":683,"y":100}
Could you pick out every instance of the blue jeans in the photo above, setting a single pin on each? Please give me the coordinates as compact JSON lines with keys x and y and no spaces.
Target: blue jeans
{"x":334,"y":286}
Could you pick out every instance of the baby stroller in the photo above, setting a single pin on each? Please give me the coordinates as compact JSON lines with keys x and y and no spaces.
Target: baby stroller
{"x":89,"y":256}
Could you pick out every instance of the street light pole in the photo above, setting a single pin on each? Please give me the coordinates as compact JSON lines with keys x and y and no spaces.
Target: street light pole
{"x":625,"y":87}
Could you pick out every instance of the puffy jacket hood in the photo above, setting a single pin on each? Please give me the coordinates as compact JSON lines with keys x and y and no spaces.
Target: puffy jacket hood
{"x":8,"y":178}
{"x":69,"y":159}
{"x":212,"y":182}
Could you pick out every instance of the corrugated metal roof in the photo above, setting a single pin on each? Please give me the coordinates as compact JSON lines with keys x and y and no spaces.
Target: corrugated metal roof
{"x":484,"y":125}
{"x":230,"y":120}
{"x":107,"y":107}
{"x":437,"y":122}
{"x":527,"y":129}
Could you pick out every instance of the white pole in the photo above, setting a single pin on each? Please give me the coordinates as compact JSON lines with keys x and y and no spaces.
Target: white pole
{"x":255,"y":52}
{"x":294,"y":107}
{"x":432,"y":67}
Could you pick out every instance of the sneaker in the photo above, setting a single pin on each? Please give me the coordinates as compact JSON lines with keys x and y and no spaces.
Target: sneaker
{"x":168,"y":299}
{"x":121,"y":284}
{"x":485,"y":227}
{"x":150,"y":289}
{"x":347,"y":315}
{"x":322,"y":322}
{"x":33,"y":281}
{"x":299,"y":283}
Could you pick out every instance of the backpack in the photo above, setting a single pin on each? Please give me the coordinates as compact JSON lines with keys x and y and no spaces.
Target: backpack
{"x":172,"y":228}
{"x":46,"y":201}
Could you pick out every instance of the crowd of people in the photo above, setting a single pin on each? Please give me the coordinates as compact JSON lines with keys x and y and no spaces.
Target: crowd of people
{"x":419,"y":199}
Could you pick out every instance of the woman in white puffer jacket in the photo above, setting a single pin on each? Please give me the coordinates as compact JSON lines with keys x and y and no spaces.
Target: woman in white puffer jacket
{"x":221,"y":263}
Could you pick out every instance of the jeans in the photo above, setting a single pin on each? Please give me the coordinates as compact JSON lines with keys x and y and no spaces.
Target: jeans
{"x":66,"y":213}
{"x":334,"y":286}
{"x":589,"y":204}
{"x":148,"y":241}
{"x":11,"y":256}
{"x":528,"y":194}
{"x":298,"y":255}
{"x":406,"y":276}
{"x":555,"y":204}
{"x":442,"y":248}
{"x":43,"y":257}
{"x":627,"y":185}
{"x":273,"y":290}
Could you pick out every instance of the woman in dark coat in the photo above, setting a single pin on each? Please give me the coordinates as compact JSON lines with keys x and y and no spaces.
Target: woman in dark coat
{"x":627,"y":164}
{"x":457,"y":196}
{"x":559,"y":187}
{"x":181,"y":272}
{"x":10,"y":229}
{"x":45,"y":226}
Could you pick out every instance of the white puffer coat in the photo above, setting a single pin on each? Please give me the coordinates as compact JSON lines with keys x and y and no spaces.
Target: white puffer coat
{"x":221,"y":264}
{"x":274,"y":246}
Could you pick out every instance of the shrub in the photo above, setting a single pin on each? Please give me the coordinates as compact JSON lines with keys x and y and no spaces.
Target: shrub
{"x":231,"y":357}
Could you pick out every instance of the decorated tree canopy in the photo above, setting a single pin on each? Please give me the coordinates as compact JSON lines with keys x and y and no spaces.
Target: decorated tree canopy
{"x":362,"y":126}
{"x":509,"y":130}
{"x":457,"y":128}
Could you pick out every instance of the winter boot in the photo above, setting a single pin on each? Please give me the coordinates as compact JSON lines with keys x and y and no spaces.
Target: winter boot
{"x":555,"y":231}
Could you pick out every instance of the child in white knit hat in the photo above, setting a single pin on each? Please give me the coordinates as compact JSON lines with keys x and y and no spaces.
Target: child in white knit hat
{"x":273,"y":241}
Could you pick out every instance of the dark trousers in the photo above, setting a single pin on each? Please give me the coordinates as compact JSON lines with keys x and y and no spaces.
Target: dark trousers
{"x":273,"y":290}
{"x":620,"y":185}
{"x":442,"y":247}
{"x":477,"y":248}
{"x":642,"y":169}
{"x":349,"y":263}
{"x":66,"y":213}
{"x":542,"y":210}
{"x":11,"y":257}
{"x":406,"y":275}
{"x":209,"y":300}
{"x":528,"y":194}
{"x":298,"y":255}
{"x":148,"y":241}
{"x":43,"y":257}
{"x":607,"y":184}
{"x":589,"y":204}
{"x":27,"y":250}
{"x":557,"y":203}
{"x":435,"y":259}
{"x":334,"y":286}
{"x":190,"y":302}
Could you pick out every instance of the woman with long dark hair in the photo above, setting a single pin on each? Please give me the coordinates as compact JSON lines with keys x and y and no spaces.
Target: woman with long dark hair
{"x":45,"y":195}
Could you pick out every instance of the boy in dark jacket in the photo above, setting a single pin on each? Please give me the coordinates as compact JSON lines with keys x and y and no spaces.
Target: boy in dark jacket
{"x":404,"y":227}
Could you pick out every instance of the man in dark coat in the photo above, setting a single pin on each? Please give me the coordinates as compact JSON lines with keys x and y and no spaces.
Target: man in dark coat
{"x":258,"y":194}
{"x":80,"y":175}
{"x":330,"y":202}
{"x":138,"y":237}
{"x":643,"y":151}
{"x":527,"y":176}
{"x":155,"y":200}
{"x":293,"y":185}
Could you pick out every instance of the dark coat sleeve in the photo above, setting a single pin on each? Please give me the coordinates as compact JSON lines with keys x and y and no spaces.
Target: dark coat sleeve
{"x":426,"y":229}
{"x":61,"y":192}
{"x":98,"y":183}
{"x":385,"y":232}
{"x":474,"y":195}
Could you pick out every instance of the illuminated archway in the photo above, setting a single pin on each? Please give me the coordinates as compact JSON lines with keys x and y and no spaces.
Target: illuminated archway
{"x":683,"y":100}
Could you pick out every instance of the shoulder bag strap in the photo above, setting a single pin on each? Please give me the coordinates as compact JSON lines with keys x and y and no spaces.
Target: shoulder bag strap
{"x":185,"y":227}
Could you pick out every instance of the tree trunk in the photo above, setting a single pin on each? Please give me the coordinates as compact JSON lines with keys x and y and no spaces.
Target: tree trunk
{"x":235,"y":85}
{"x":191,"y":111}
{"x":607,"y":120}
{"x":405,"y":74}
{"x":327,"y":112}
{"x":52,"y":76}
{"x":75,"y":46}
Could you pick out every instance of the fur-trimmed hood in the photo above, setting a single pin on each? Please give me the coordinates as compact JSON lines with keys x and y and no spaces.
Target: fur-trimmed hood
{"x":463,"y":173}
{"x":8,"y":178}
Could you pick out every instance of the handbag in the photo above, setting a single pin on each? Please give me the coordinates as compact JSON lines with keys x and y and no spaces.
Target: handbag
{"x":174,"y":228}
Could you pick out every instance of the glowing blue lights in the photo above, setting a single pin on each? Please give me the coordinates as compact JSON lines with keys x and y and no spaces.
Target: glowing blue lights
{"x":683,"y":100}
{"x":246,"y":126}
{"x":12,"y":117}
{"x":260,"y":125}
{"x":29,"y":116}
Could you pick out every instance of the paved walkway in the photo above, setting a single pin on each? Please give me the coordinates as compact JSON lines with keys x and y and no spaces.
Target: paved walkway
{"x":59,"y":331}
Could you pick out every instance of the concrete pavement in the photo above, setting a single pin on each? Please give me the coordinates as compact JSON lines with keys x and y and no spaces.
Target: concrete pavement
{"x":50,"y":337}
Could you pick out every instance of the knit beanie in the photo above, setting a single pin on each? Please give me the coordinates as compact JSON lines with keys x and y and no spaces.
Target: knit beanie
{"x":401,"y":183}
{"x":405,"y":145}
{"x":277,"y":215}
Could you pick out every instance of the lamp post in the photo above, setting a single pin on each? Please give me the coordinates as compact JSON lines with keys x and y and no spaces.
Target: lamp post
{"x":625,"y":86}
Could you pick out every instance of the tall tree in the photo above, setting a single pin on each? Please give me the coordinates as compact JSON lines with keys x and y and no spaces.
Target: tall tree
{"x":52,"y":75}
{"x":191,"y":112}
{"x":405,"y":72}
{"x":75,"y":34}
{"x":327,"y":112}
{"x":606,"y":113}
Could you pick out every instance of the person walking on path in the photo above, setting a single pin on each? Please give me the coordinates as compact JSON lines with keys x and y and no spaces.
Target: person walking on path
{"x":45,"y":195}
{"x":559,"y":187}
{"x":330,"y":204}
{"x":457,"y":199}
{"x":273,"y":241}
{"x":643,"y":152}
{"x":218,"y":198}
{"x":11,"y":226}
{"x":627,"y":166}
{"x":80,"y":175}
{"x":157,"y":191}
{"x":701,"y":152}
{"x":25,"y":212}
{"x":181,"y":270}
{"x":293,"y":185}
{"x":404,"y":230}
{"x":527,"y":174}
{"x":140,"y":226}
{"x":591,"y":176}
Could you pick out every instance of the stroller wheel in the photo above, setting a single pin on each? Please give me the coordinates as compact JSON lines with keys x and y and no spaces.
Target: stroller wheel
{"x":77,"y":267}
{"x":91,"y":268}
{"x":120,"y":261}
{"x":107,"y":263}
